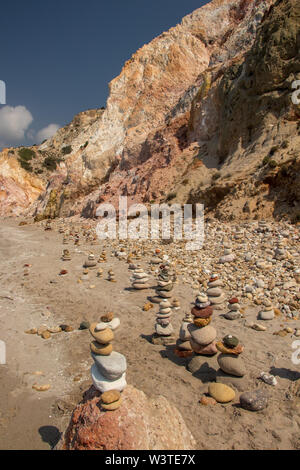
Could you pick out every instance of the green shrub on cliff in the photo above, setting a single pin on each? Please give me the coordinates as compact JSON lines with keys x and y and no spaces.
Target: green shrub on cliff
{"x":26,"y":154}
{"x":66,"y":150}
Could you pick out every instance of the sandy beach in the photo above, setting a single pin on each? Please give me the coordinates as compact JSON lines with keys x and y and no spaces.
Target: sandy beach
{"x":30,"y":419}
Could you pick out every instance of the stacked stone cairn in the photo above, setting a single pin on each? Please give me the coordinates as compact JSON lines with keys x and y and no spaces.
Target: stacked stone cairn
{"x":183,"y":345}
{"x":203,"y":335}
{"x":214,"y":292}
{"x":109,"y":368}
{"x":90,"y":262}
{"x":234,"y":309}
{"x":267,"y":313}
{"x":165,"y":285}
{"x":163,"y":327}
{"x":228,"y":256}
{"x":230,"y":363}
{"x":48,"y":225}
{"x":111,"y":276}
{"x":139,"y":279}
{"x":66,"y":255}
{"x":103,"y":257}
{"x":100,"y":273}
{"x":280,"y":253}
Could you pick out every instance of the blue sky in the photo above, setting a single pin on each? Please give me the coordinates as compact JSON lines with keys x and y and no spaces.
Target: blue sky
{"x":57,"y":57}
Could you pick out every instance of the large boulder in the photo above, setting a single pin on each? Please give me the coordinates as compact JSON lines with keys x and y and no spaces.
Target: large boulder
{"x":141,"y":423}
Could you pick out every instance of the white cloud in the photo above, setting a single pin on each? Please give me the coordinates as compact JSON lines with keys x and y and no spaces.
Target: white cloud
{"x":14,"y":122}
{"x":46,"y":133}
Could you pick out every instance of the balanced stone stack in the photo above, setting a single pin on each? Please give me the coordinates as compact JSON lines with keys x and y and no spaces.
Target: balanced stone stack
{"x":232,"y":368}
{"x":65,"y":241}
{"x":268,"y":312}
{"x":163,"y":327}
{"x":139,"y":279}
{"x":202,"y":334}
{"x":214,"y":292}
{"x":228,"y":256}
{"x":85,"y":275}
{"x":109,"y":368}
{"x":111,"y":276}
{"x":90,"y":262}
{"x":234,"y":309}
{"x":102,"y":258}
{"x":280,"y":253}
{"x":165,"y":286}
{"x":100,"y":273}
{"x":48,"y":225}
{"x":183,"y":345}
{"x":66,"y":255}
{"x":156,"y":259}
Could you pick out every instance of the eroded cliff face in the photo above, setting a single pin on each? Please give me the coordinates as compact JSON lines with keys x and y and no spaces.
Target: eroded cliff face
{"x":190,"y":117}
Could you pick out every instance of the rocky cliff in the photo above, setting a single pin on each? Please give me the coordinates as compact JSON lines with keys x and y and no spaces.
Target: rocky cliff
{"x":203,"y":113}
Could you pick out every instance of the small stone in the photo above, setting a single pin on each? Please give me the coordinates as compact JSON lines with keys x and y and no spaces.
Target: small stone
{"x":207,"y":401}
{"x":256,"y":400}
{"x":202,"y":312}
{"x":84,"y":325}
{"x":101,"y":349}
{"x":221,"y":393}
{"x":107,"y":317}
{"x":201,"y":322}
{"x":102,"y":384}
{"x":203,"y":336}
{"x":41,"y":388}
{"x":230,"y":341}
{"x":32,"y":331}
{"x":104,"y":336}
{"x":268,"y":378}
{"x":223,"y":349}
{"x":147,"y":306}
{"x":231,"y":364}
{"x":258,"y":327}
{"x":54,"y":329}
{"x":208,"y":350}
{"x":110,"y":397}
{"x":112,"y":406}
{"x":232,"y":315}
{"x":46,"y":335}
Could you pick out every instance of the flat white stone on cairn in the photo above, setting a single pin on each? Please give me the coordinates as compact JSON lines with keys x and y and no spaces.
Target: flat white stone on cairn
{"x":109,"y":369}
{"x":163,"y":328}
{"x":108,"y":321}
{"x":202,"y":334}
{"x":234,"y":309}
{"x":139,"y":279}
{"x":268,"y":312}
{"x":214,"y":292}
{"x":232,"y":368}
{"x":164,"y":287}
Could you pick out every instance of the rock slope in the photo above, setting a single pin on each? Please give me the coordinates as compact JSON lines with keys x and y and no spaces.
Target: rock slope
{"x":203,"y":113}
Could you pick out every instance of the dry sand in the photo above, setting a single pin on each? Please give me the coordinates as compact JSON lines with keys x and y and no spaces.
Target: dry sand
{"x":34,"y":420}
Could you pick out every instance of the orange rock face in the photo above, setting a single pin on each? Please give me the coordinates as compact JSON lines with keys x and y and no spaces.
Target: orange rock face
{"x":140,"y":423}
